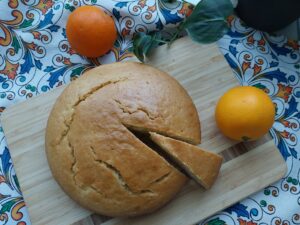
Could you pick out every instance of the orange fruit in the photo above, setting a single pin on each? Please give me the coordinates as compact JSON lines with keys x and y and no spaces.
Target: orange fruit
{"x":245,"y":113}
{"x":90,"y":31}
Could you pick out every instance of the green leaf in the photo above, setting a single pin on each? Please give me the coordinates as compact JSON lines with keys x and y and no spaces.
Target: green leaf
{"x":15,"y":44}
{"x":144,"y":43}
{"x":208,"y":21}
{"x":216,"y":221}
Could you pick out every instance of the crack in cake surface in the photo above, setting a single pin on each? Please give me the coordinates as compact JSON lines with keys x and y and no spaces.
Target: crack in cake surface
{"x":126,"y":110}
{"x":69,"y":121}
{"x":119,"y":176}
{"x":74,"y":173}
{"x":162,"y":178}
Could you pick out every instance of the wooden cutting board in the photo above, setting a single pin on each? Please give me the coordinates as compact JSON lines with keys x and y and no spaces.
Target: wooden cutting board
{"x":203,"y":71}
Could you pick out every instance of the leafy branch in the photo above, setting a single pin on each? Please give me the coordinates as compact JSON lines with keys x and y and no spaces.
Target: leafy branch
{"x":206,"y":24}
{"x":143,"y":43}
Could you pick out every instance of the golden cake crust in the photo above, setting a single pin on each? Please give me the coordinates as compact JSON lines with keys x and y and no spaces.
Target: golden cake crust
{"x":95,"y":157}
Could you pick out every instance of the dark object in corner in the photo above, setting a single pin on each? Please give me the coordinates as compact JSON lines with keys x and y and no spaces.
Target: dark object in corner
{"x":268,"y":15}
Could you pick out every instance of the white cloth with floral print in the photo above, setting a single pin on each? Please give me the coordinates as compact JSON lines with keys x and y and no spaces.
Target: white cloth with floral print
{"x":35,"y":57}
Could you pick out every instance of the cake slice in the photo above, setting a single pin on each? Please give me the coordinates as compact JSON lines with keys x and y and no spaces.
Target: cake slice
{"x":202,"y":166}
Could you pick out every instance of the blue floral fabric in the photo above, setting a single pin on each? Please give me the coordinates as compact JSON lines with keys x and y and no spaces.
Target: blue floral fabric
{"x":35,"y":57}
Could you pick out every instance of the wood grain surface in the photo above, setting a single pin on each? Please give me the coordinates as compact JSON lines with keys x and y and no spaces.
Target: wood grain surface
{"x":205,"y":74}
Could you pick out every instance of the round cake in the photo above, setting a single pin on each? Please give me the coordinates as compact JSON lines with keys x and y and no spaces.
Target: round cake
{"x":93,"y":148}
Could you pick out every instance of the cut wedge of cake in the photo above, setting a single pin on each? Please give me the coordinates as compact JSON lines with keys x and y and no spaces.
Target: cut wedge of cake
{"x":201,"y":165}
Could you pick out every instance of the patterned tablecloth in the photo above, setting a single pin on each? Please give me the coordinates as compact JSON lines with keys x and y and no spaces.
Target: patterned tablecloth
{"x":35,"y":57}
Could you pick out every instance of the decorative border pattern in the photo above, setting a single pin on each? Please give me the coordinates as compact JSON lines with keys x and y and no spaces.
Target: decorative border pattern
{"x":35,"y":57}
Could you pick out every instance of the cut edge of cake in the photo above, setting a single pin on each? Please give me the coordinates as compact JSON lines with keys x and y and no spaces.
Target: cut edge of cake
{"x":201,"y":165}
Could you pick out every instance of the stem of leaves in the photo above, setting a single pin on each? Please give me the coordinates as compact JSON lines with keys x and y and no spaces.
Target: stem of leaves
{"x":143,"y":43}
{"x":206,"y":24}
